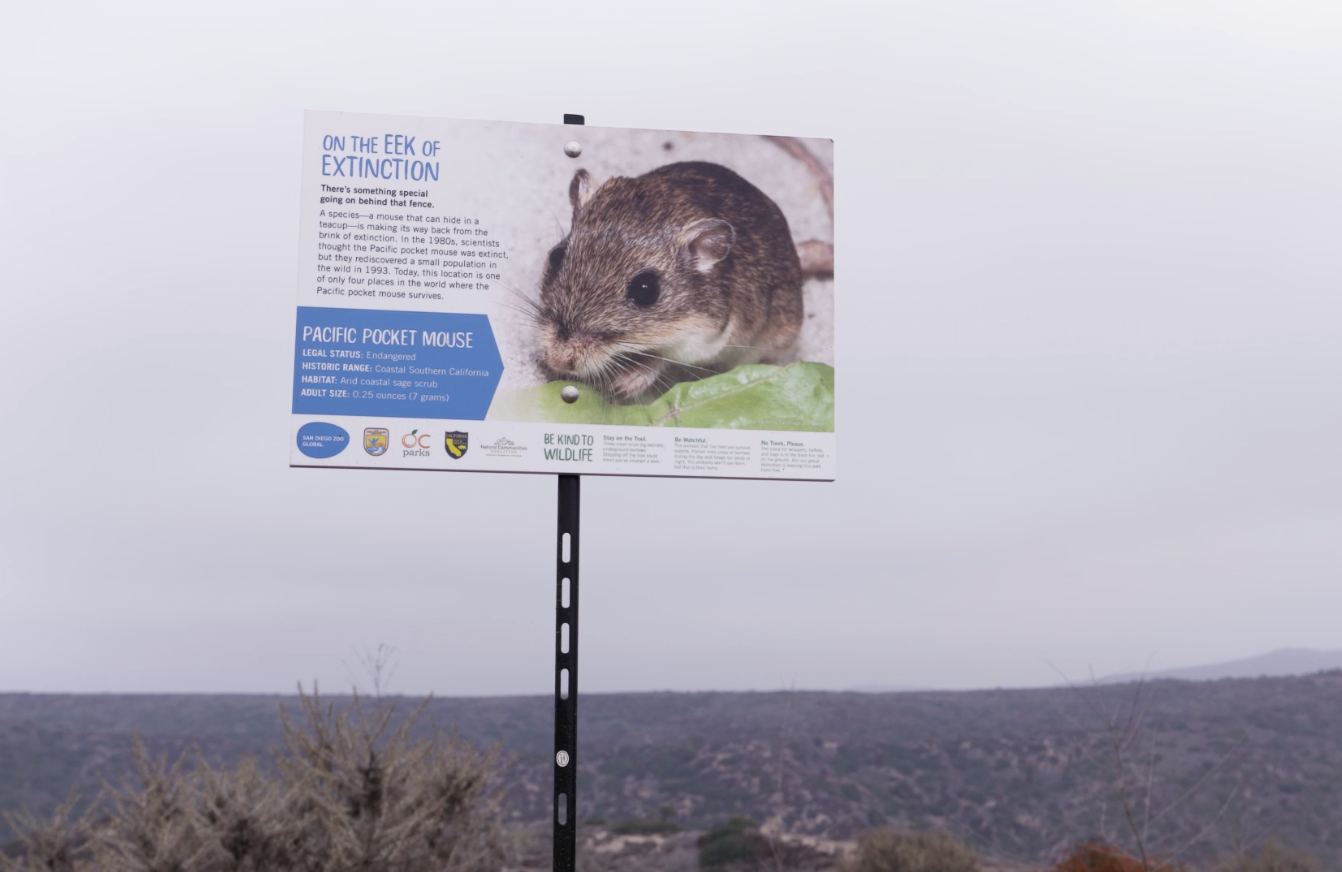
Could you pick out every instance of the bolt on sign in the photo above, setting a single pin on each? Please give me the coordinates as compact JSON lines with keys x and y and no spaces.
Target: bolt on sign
{"x":501,"y":297}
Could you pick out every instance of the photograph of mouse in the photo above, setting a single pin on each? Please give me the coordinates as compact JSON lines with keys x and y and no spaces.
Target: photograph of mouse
{"x":678,"y":274}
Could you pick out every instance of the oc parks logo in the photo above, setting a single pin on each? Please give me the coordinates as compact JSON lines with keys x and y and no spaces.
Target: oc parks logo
{"x":456,"y":443}
{"x":375,"y":441}
{"x":415,"y":444}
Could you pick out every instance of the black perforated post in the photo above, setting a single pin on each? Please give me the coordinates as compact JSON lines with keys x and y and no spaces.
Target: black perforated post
{"x":566,"y":677}
{"x":566,"y":667}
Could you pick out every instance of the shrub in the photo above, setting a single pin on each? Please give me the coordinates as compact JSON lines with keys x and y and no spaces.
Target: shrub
{"x":644,"y":828}
{"x":352,"y":791}
{"x":735,"y":840}
{"x":887,"y":850}
{"x":661,"y":825}
{"x":364,"y":796}
{"x":57,"y":844}
{"x":1099,"y":857}
{"x":1272,"y":857}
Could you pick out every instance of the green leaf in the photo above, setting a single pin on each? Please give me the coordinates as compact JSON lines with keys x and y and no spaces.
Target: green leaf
{"x":796,"y":397}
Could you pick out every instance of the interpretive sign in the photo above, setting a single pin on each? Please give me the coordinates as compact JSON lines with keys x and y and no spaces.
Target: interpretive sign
{"x":501,"y":297}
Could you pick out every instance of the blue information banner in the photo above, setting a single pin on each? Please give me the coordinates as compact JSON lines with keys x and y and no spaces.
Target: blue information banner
{"x":383,"y":363}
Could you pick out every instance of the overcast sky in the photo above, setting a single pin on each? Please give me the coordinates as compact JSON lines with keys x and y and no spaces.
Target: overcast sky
{"x":1089,"y":306}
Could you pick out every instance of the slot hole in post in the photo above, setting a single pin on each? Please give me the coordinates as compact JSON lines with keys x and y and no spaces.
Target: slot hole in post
{"x":563,"y":639}
{"x":563,"y":593}
{"x":561,"y":813}
{"x":567,"y":551}
{"x":563,"y":684}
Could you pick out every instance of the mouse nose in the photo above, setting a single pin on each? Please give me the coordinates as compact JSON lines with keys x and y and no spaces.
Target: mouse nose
{"x":560,"y":356}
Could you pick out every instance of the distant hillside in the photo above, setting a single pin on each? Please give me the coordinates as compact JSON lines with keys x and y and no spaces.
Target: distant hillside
{"x":1022,"y":773}
{"x":1275,"y":664}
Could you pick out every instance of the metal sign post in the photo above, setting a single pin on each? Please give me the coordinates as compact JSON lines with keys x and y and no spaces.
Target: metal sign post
{"x":566,"y":677}
{"x":412,"y":228}
{"x":566,"y":666}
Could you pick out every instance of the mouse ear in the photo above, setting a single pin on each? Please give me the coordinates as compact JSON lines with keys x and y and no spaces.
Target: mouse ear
{"x":709,"y":241}
{"x":580,"y":190}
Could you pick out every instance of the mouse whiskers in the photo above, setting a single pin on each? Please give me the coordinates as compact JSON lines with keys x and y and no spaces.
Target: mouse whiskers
{"x":531,"y":306}
{"x":660,"y":380}
{"x":669,"y":360}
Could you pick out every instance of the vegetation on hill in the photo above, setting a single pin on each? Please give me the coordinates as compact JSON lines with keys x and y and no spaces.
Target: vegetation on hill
{"x":351,"y":790}
{"x":1185,"y":773}
{"x":888,"y":850}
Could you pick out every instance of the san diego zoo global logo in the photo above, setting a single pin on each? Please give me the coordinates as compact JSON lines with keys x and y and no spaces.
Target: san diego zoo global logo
{"x":456,"y":443}
{"x":375,"y":441}
{"x":416,"y":444}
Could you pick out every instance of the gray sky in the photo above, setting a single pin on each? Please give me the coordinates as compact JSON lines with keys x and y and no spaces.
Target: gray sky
{"x":1088,"y":351}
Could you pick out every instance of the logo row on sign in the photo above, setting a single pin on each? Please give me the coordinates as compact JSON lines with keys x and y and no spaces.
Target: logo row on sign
{"x":319,"y":439}
{"x":376,"y":440}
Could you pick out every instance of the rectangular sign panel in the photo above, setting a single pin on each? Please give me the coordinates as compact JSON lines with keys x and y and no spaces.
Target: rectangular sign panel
{"x":501,"y":297}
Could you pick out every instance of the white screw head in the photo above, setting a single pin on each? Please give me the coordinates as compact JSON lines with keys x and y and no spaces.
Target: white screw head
{"x":562,"y":759}
{"x":569,"y":394}
{"x":573,"y":148}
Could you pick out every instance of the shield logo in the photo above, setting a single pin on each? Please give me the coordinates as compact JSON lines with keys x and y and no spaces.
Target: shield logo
{"x":456,"y":443}
{"x":375,"y":441}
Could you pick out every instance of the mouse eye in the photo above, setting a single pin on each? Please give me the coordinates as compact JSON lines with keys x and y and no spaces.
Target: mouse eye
{"x":557,"y":258}
{"x":644,"y":288}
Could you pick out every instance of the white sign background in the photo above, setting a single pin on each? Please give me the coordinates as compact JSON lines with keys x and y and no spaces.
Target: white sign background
{"x":510,"y":183}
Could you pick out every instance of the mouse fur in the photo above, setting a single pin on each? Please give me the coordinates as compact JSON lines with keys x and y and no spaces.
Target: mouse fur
{"x":680,"y":273}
